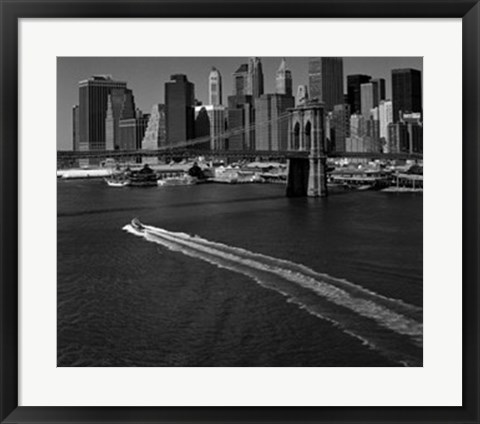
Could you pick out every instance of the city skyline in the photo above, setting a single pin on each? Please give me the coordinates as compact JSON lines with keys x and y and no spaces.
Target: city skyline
{"x":146,"y":78}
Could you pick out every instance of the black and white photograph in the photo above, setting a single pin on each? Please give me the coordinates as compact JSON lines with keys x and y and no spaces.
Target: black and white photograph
{"x":239,"y":211}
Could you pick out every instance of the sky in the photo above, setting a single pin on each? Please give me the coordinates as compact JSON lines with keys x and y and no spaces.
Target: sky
{"x":146,"y":76}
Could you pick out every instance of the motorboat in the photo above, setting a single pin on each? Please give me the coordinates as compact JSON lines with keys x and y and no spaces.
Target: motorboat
{"x":137,"y":225}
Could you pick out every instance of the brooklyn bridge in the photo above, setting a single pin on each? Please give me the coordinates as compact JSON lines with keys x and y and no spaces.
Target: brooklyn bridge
{"x":306,"y":152}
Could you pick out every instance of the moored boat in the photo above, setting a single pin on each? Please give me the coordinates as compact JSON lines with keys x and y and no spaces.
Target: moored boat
{"x":113,"y":182}
{"x":177,"y":181}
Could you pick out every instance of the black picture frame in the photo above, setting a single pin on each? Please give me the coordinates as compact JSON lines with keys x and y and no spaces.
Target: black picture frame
{"x":11,"y":11}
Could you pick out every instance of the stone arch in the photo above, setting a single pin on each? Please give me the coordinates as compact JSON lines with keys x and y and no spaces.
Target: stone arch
{"x":296,"y":136}
{"x":308,"y":136}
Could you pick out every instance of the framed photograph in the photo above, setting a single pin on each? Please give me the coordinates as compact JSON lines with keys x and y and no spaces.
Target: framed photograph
{"x":240,"y":226}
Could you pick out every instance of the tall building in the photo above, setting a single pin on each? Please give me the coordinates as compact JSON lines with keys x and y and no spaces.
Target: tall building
{"x":271,"y":117}
{"x":255,"y":77}
{"x":369,"y":98}
{"x":385,"y":116}
{"x":215,"y":87}
{"x":75,"y":125}
{"x":132,"y":131}
{"x":406,"y":135}
{"x":240,"y":122}
{"x":93,"y":105}
{"x":248,"y":78}
{"x":325,"y":80}
{"x":354,"y":83}
{"x":155,"y":134}
{"x":372,"y":132}
{"x":210,"y":121}
{"x":241,"y":78}
{"x":179,"y":109}
{"x":380,"y":82}
{"x":406,"y":91}
{"x":398,"y":137}
{"x":356,"y":142}
{"x":283,"y":80}
{"x":340,"y":127}
{"x":121,"y":105}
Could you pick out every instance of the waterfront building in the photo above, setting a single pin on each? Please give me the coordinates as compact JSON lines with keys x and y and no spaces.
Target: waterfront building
{"x":179,"y":109}
{"x":406,"y":92}
{"x":364,"y":135}
{"x":132,"y":131}
{"x":398,"y":137}
{"x":385,"y":116}
{"x":121,"y":105}
{"x":302,"y":94}
{"x":202,"y":128}
{"x":75,"y":129}
{"x":325,"y":80}
{"x":283,"y":80}
{"x":271,"y":117}
{"x":240,"y":122}
{"x":415,"y":136}
{"x":372,"y":132}
{"x":215,"y":87}
{"x":155,"y":134}
{"x":354,"y":83}
{"x":94,"y":95}
{"x":339,"y":127}
{"x":355,"y":142}
{"x":210,"y":122}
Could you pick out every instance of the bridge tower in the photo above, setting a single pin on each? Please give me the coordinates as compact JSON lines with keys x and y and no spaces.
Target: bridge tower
{"x":307,"y":177}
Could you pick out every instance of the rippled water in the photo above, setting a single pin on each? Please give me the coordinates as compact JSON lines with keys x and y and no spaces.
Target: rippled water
{"x":237,"y":276}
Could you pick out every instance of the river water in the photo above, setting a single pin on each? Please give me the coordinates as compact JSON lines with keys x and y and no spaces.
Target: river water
{"x":237,"y":275}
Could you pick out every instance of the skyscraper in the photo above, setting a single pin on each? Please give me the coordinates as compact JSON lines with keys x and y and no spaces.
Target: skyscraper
{"x":380,"y":82}
{"x":179,"y":109}
{"x":248,"y":78}
{"x":132,"y":131}
{"x":93,"y":104}
{"x":255,"y":77}
{"x":210,"y":121}
{"x":385,"y":117}
{"x":75,"y":125}
{"x":155,"y":133}
{"x":120,"y":105}
{"x":369,"y":98}
{"x":340,"y":127}
{"x":283,"y":81}
{"x":354,"y":91}
{"x":325,"y":80}
{"x":215,"y":87}
{"x":240,"y":77}
{"x":241,"y":118}
{"x":406,"y":92}
{"x":271,"y":117}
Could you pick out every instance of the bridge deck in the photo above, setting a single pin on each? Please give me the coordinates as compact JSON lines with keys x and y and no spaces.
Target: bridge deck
{"x":285,"y":154}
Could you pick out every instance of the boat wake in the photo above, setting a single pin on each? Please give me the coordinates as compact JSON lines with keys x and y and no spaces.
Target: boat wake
{"x":389,"y":326}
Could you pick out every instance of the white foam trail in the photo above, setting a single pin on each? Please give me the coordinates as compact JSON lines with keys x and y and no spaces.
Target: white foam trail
{"x":391,"y":314}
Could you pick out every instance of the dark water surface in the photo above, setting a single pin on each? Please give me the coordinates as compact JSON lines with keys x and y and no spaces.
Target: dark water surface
{"x":255,"y":278}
